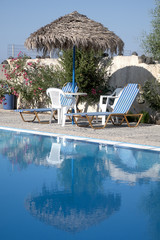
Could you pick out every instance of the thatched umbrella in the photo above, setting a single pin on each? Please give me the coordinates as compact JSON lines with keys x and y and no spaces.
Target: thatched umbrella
{"x":74,"y":30}
{"x":72,"y":212}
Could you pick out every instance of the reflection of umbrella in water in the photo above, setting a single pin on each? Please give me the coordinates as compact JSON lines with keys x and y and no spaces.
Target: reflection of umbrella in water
{"x":74,"y":30}
{"x":82,"y":203}
{"x":70,"y":212}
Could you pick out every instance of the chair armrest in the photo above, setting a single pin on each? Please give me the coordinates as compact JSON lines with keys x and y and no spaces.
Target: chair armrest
{"x":108,"y":96}
{"x":73,"y":98}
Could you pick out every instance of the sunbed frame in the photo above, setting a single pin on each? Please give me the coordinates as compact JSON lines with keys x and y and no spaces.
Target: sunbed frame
{"x":35,"y":113}
{"x":109,"y":118}
{"x":121,"y":110}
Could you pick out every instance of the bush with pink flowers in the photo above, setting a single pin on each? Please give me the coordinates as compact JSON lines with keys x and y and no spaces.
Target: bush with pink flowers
{"x":28,"y":81}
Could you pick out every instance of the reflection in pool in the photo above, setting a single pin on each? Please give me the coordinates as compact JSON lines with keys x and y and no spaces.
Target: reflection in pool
{"x":76,"y":190}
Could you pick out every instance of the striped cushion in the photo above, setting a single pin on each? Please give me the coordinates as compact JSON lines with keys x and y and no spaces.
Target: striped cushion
{"x":68,"y":88}
{"x":126,"y":99}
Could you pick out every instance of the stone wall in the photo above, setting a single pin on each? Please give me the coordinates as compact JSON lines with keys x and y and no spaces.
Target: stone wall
{"x":127,"y":69}
{"x":2,"y":76}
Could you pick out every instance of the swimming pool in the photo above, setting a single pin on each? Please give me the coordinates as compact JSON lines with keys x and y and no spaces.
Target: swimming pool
{"x":56,"y":187}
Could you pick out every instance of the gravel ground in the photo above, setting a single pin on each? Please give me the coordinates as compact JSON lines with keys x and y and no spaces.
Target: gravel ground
{"x":145,"y":134}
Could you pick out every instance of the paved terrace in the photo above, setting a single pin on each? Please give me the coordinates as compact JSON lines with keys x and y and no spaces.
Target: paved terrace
{"x":143,"y":134}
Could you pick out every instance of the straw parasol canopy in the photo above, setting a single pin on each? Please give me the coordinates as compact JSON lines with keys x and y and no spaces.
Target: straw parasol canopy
{"x":72,"y":212}
{"x":71,"y":30}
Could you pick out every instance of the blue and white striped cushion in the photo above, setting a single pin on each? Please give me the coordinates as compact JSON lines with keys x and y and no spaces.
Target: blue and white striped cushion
{"x":126,"y":99}
{"x":68,"y":88}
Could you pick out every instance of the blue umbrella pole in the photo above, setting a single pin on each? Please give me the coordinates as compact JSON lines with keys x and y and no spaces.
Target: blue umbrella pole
{"x":73,"y":73}
{"x":73,"y":76}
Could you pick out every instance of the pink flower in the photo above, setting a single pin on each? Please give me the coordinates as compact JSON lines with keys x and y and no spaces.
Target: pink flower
{"x":24,"y":74}
{"x":19,"y":53}
{"x":30,"y":81}
{"x":17,"y":66}
{"x":93,"y":91}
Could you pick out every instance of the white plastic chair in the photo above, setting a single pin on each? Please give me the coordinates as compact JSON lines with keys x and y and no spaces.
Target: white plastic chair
{"x":105,"y":103}
{"x":54,"y":157}
{"x":61,"y":102}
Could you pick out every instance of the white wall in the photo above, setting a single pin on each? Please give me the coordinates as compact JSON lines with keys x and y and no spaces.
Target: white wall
{"x":127,"y":69}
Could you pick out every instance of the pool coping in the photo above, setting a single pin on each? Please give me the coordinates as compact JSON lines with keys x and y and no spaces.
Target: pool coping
{"x":87,"y":139}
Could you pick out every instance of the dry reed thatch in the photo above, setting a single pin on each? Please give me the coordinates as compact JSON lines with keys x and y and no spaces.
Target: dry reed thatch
{"x":77,"y":30}
{"x":59,"y":209}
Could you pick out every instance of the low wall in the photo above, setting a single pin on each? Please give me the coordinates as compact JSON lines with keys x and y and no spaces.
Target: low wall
{"x":127,"y":69}
{"x":2,"y":76}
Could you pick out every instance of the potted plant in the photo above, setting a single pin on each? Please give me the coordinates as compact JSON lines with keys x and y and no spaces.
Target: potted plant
{"x":7,"y":96}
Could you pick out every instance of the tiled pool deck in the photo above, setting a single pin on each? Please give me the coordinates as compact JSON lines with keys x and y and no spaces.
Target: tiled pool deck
{"x":145,"y":134}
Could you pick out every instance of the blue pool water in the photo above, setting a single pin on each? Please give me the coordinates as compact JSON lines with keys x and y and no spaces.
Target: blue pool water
{"x":58,"y":188}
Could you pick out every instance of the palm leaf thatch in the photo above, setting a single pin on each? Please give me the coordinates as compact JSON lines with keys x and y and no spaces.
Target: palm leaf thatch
{"x":68,"y":212}
{"x":77,"y":30}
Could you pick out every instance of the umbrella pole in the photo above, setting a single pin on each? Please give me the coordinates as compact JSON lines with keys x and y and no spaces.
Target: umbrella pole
{"x":73,"y":73}
{"x":73,"y":76}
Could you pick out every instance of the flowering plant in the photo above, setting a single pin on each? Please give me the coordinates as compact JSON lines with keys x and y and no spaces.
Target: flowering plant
{"x":28,"y":80}
{"x":6,"y":89}
{"x":97,"y":91}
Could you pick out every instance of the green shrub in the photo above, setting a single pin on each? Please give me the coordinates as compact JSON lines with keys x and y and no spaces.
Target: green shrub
{"x":91,"y":74}
{"x":146,"y":117}
{"x":151,"y":92}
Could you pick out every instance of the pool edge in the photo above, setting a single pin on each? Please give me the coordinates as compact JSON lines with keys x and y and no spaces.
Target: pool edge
{"x":95,"y":140}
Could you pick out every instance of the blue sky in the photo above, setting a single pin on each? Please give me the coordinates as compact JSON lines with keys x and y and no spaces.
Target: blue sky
{"x":128,"y":19}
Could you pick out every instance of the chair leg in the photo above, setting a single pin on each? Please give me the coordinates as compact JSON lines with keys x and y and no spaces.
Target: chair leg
{"x":21,"y":114}
{"x":51,"y":116}
{"x":35,"y":116}
{"x":59,"y":116}
{"x":140,"y":115}
{"x":103,"y":120}
{"x":64,"y":111}
{"x":116,"y":121}
{"x":75,"y":108}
